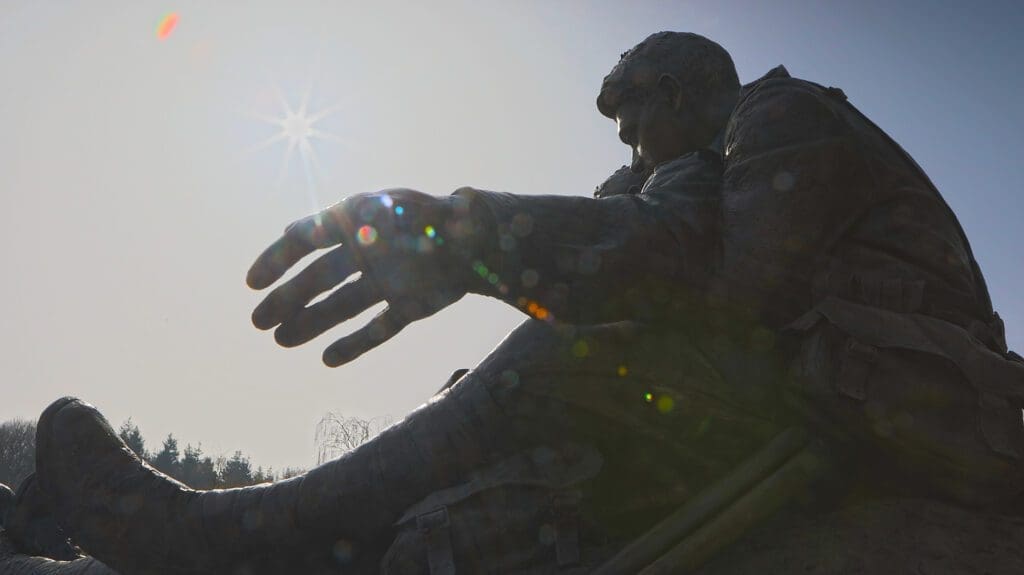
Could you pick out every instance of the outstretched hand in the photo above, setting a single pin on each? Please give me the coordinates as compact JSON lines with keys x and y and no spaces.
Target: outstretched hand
{"x":409,"y":248}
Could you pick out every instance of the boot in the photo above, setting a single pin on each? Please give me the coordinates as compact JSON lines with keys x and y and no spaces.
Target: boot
{"x":15,"y":562}
{"x":334,"y":519}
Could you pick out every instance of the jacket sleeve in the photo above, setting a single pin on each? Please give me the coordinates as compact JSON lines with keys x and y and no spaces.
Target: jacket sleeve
{"x":583,"y":260}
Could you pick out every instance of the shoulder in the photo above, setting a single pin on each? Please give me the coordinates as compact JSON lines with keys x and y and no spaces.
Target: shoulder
{"x":783,"y":111}
{"x":778,"y":92}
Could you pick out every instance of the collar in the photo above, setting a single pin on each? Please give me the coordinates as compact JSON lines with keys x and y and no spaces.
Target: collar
{"x":718,"y":144}
{"x":779,"y":71}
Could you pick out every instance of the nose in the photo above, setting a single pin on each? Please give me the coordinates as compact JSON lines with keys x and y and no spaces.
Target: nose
{"x":637,"y":165}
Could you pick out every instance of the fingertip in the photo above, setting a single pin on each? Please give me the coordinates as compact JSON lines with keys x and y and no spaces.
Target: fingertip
{"x":341,"y":352}
{"x":256,"y":279}
{"x":286,"y":339}
{"x":331,"y":359}
{"x":260,"y":320}
{"x":267,"y":313}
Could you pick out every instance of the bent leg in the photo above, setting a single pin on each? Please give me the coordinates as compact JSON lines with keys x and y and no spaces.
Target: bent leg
{"x":665,"y":414}
{"x":661,"y":413}
{"x":669,"y":413}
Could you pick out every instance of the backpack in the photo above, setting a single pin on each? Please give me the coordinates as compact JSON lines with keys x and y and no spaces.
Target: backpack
{"x":918,"y":398}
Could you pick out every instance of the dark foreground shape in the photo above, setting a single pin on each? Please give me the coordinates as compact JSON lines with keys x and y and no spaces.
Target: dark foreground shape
{"x":12,"y":562}
{"x":17,"y":560}
{"x":880,"y":537}
{"x":32,"y":527}
{"x":39,"y":536}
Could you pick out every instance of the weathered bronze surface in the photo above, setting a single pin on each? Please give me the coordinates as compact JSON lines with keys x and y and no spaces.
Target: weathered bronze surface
{"x":771,"y":258}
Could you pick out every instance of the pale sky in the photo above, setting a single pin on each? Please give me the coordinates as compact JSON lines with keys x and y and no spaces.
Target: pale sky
{"x":132,"y":201}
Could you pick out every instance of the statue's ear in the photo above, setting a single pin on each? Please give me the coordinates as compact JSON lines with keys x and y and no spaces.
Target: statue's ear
{"x":670,"y":88}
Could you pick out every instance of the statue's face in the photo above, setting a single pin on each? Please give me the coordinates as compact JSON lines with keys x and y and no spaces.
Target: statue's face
{"x":658,"y":126}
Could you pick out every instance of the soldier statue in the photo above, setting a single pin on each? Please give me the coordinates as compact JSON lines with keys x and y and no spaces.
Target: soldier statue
{"x":772,"y":280}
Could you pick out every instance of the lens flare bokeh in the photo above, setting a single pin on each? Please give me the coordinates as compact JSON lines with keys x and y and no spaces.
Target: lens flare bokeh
{"x":167,"y":25}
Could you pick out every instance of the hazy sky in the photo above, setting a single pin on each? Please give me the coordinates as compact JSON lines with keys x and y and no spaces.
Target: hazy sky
{"x":132,"y":200}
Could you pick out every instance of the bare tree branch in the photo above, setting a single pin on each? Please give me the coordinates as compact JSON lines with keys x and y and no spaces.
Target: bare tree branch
{"x":337,"y":434}
{"x":17,"y":451}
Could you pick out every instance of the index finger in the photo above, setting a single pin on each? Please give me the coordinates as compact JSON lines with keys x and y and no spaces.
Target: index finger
{"x":300,"y":239}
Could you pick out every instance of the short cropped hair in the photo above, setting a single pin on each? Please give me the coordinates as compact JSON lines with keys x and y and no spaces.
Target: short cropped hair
{"x":704,"y":69}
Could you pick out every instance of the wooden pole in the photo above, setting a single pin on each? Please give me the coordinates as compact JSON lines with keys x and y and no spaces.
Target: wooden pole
{"x":705,"y":505}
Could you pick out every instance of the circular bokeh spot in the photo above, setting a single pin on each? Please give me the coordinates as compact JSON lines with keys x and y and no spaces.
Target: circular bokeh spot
{"x":366,"y":235}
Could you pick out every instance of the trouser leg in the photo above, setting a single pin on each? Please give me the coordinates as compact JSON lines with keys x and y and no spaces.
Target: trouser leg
{"x":665,"y":414}
{"x":649,"y":400}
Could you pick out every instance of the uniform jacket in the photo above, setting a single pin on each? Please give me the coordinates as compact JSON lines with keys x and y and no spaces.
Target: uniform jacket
{"x":802,"y":212}
{"x":805,"y":199}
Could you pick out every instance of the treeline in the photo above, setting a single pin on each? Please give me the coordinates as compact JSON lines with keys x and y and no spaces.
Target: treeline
{"x":17,"y":451}
{"x":190,"y":466}
{"x":197,"y":470}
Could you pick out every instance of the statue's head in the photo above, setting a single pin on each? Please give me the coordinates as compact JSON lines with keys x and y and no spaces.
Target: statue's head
{"x":670,"y":95}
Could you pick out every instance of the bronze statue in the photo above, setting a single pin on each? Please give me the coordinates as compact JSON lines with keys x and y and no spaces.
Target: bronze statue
{"x":771,"y":261}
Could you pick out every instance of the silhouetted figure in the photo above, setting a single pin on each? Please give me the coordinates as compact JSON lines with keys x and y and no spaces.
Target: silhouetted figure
{"x":785,"y":263}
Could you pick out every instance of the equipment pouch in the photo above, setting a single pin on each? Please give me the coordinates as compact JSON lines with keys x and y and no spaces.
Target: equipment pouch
{"x":521,"y":515}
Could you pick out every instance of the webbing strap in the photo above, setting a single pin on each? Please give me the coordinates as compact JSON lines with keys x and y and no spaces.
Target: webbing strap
{"x":436,"y":530}
{"x":856,"y":369}
{"x":565,"y":509}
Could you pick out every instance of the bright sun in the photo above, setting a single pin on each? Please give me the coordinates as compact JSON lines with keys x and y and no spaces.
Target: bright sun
{"x":297,"y":128}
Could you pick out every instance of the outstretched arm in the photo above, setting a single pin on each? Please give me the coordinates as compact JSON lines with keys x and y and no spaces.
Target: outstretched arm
{"x":577,"y":260}
{"x":583,"y":261}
